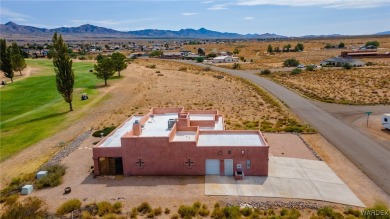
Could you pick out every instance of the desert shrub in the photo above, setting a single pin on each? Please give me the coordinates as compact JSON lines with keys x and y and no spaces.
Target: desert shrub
{"x":246,"y":211}
{"x":199,"y":59}
{"x":86,"y":215}
{"x":151,"y":66}
{"x":157,"y":211}
{"x":197,"y":205}
{"x":117,"y":206}
{"x":218,"y":76}
{"x":351,"y":211}
{"x":183,"y":69}
{"x":236,"y":66}
{"x":134,"y":213}
{"x":206,"y":69}
{"x":217,"y":205}
{"x":144,"y":208}
{"x":265,"y":72}
{"x":31,"y":207}
{"x":167,"y":211}
{"x":110,"y":216}
{"x":204,"y":211}
{"x":160,"y":75}
{"x":310,"y":67}
{"x":69,"y":206}
{"x":290,"y":63}
{"x":217,"y":213}
{"x":157,"y":71}
{"x":186,"y":211}
{"x":175,"y":216}
{"x":105,"y":131}
{"x":290,"y":214}
{"x":329,"y":213}
{"x":232,"y":212}
{"x":370,"y":64}
{"x":255,"y":215}
{"x":10,"y":200}
{"x":150,"y":214}
{"x":295,"y":71}
{"x":104,"y":207}
{"x":53,"y":177}
{"x":347,"y":66}
{"x":91,"y":208}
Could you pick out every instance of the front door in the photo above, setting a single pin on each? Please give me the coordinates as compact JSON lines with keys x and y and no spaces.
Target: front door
{"x":228,"y":164}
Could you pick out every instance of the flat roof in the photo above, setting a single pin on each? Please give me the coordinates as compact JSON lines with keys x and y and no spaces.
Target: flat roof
{"x":217,"y":126}
{"x":185,"y":136}
{"x":158,"y":126}
{"x":114,"y":140}
{"x":230,"y":139}
{"x":202,"y":116}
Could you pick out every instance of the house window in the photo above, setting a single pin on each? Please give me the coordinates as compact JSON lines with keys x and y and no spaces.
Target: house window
{"x":229,"y":152}
{"x":248,"y":164}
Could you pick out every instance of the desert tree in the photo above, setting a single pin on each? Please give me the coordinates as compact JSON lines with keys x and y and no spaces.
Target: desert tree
{"x":290,"y":63}
{"x":341,"y":45}
{"x":299,"y":47}
{"x":270,"y":49}
{"x":104,"y":69}
{"x":17,"y":60}
{"x":119,"y":61}
{"x":236,"y":51}
{"x":63,"y":69}
{"x":5,"y":58}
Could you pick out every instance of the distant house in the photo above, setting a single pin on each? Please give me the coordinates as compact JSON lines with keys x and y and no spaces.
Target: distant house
{"x":172,"y":55}
{"x":340,"y":61}
{"x":224,"y":59}
{"x":359,"y":53}
{"x":185,"y":52}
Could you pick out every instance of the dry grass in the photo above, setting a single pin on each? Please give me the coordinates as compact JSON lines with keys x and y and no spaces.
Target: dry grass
{"x":356,"y":86}
{"x":313,"y":53}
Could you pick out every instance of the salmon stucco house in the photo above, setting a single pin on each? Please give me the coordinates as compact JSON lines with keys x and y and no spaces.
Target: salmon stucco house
{"x":179,"y":142}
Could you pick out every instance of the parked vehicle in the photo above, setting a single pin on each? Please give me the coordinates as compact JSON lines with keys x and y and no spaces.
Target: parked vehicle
{"x":301,"y":66}
{"x":386,"y":121}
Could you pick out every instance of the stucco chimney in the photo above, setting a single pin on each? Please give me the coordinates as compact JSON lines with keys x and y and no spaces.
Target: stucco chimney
{"x":137,"y":128}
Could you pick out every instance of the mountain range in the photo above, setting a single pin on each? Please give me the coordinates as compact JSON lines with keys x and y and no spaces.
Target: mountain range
{"x":12,"y":29}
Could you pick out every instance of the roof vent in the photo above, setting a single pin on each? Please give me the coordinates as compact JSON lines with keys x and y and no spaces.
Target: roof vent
{"x":136,"y":121}
{"x":171,"y":123}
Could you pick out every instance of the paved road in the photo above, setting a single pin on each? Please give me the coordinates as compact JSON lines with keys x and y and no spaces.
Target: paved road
{"x":371,"y":157}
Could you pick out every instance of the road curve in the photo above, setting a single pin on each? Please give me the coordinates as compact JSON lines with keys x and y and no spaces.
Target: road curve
{"x":371,"y":157}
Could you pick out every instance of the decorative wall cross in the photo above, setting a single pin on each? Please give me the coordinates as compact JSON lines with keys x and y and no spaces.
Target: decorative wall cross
{"x":189,"y":163}
{"x":140,"y":163}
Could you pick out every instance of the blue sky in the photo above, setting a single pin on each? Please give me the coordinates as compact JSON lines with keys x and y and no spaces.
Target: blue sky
{"x":285,"y":17}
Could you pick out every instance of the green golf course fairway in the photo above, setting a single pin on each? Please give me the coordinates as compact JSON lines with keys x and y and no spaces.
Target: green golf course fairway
{"x":32,"y":109}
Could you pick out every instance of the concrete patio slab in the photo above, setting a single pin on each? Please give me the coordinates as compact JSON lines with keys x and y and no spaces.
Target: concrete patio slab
{"x":287,"y":178}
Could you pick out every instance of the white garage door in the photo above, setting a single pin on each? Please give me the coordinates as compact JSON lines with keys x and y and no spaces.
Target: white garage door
{"x":212,"y":167}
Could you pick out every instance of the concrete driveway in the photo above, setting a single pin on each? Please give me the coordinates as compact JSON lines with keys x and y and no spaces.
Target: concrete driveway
{"x":287,"y":178}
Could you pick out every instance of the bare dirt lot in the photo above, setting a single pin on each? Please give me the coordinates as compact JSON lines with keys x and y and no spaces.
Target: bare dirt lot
{"x":368,"y":85}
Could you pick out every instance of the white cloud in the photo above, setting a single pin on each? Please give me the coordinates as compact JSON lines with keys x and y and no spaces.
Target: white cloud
{"x":218,"y":7}
{"x":321,"y":3}
{"x":188,"y":13}
{"x":13,"y":16}
{"x":248,"y":18}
